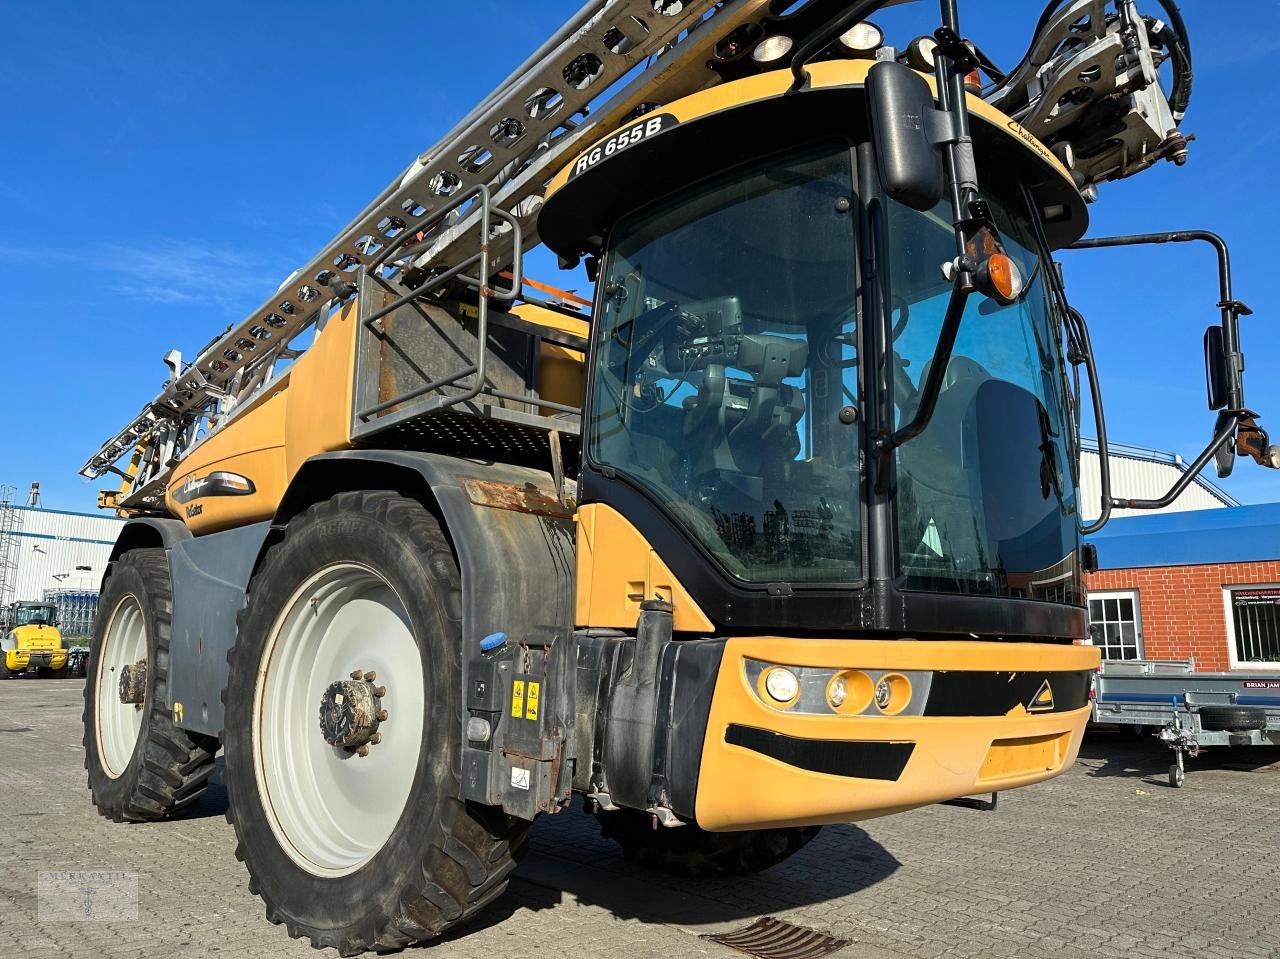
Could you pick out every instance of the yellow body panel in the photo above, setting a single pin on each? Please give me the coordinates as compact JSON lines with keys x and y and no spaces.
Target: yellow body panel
{"x":739,"y":788}
{"x":561,"y":371}
{"x":37,"y":639}
{"x":829,"y":73}
{"x":617,"y":569}
{"x":305,"y":412}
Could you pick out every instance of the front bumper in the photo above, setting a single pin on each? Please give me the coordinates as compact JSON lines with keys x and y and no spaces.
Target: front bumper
{"x":765,"y":765}
{"x":19,"y":659}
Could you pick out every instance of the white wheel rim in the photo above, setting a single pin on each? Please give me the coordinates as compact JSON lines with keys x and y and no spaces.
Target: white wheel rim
{"x":331,"y":809}
{"x":124,"y":642}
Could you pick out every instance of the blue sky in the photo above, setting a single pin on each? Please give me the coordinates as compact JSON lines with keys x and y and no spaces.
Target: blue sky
{"x":165,"y":166}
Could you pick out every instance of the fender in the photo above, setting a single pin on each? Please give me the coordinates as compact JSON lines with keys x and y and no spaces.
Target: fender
{"x":515,"y":543}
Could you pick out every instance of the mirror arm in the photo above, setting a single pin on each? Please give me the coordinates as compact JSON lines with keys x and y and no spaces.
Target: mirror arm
{"x":1230,"y":308}
{"x":952,"y":60}
{"x":1226,"y":434}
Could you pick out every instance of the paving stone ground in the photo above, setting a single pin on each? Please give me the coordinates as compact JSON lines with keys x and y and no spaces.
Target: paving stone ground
{"x":1104,"y":861}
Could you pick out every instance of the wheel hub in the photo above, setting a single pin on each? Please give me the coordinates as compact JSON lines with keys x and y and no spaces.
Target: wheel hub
{"x":351,"y":712}
{"x":133,"y":683}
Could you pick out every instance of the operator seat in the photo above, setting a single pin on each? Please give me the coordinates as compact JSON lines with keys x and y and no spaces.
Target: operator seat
{"x":749,"y":424}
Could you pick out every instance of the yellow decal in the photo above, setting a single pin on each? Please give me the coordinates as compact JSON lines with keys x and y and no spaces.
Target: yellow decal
{"x":531,"y":711}
{"x":517,"y":698}
{"x":177,"y":712}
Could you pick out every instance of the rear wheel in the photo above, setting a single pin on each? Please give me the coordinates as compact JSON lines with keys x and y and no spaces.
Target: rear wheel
{"x":140,"y":765}
{"x":343,"y":733}
{"x":690,"y":851}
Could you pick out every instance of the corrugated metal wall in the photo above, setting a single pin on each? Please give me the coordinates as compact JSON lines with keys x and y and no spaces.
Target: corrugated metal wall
{"x":1139,"y":477}
{"x":53,"y":544}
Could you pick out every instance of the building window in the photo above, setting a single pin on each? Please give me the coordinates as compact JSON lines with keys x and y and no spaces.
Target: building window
{"x":1254,"y":615}
{"x":1115,"y":624}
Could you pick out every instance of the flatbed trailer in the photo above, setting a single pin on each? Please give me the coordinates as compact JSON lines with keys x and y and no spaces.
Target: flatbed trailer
{"x":1189,"y":710}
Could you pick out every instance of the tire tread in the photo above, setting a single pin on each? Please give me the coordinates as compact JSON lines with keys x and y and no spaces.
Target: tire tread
{"x":467,"y":865}
{"x":176,"y":764}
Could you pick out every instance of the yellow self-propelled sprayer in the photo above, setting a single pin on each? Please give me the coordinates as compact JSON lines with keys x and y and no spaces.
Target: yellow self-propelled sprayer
{"x":784,"y":530}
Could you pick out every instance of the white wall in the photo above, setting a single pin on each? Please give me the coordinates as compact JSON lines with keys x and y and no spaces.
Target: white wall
{"x":1136,"y":477}
{"x":51,"y":544}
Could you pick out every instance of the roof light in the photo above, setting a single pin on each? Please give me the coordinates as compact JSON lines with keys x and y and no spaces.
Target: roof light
{"x":772,"y":48}
{"x":920,"y":54}
{"x":862,"y":38}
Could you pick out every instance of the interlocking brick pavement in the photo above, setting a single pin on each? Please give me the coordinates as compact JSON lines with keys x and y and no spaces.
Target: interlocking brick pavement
{"x":1104,"y":861}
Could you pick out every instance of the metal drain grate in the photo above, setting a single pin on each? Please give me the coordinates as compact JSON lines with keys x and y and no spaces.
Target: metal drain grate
{"x":770,"y":938}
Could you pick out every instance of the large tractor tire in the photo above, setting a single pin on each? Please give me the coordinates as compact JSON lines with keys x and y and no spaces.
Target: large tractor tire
{"x":141,"y":766}
{"x":5,"y":671}
{"x":690,"y":851}
{"x":343,"y":733}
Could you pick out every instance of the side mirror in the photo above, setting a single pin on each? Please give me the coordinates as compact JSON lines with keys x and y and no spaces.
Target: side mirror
{"x":907,"y":129}
{"x":1215,"y":367}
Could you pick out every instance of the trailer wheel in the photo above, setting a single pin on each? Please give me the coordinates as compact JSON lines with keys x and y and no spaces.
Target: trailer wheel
{"x":1232,"y":718}
{"x":1177,"y":776}
{"x":343,"y":733}
{"x":690,"y":851}
{"x":140,"y":765}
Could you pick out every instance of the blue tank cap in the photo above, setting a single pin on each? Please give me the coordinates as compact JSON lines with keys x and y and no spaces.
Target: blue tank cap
{"x":492,"y":641}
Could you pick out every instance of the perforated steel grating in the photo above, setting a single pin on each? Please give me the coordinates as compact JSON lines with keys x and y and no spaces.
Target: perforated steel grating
{"x":770,"y":938}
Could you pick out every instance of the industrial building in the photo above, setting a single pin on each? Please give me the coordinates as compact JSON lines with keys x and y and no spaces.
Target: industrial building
{"x":1198,"y":580}
{"x":1203,"y":584}
{"x":1140,"y":473}
{"x":57,"y":556}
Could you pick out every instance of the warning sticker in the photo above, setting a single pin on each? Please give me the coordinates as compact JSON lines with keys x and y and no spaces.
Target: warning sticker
{"x":531,"y":710}
{"x":517,"y":698}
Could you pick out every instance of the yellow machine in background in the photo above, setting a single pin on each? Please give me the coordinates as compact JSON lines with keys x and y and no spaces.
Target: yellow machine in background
{"x":32,"y":639}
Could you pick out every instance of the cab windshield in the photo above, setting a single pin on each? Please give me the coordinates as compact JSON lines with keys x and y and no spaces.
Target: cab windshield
{"x":34,"y":616}
{"x":727,"y":351}
{"x":986,"y":496}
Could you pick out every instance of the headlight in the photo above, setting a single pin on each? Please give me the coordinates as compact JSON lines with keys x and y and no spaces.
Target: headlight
{"x":781,"y":684}
{"x":862,"y":38}
{"x":772,"y":48}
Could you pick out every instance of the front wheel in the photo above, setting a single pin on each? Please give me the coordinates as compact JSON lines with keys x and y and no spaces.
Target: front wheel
{"x":690,"y":851}
{"x":141,"y":765}
{"x":343,"y":733}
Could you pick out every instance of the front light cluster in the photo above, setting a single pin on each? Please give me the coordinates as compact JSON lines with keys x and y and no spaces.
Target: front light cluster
{"x":808,"y":689}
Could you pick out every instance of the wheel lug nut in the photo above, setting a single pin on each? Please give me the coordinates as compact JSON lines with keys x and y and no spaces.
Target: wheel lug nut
{"x":382,"y":715}
{"x":380,"y":691}
{"x":370,"y":676}
{"x":356,"y":674}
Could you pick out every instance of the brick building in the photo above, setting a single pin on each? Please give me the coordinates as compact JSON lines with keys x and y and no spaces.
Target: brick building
{"x":1202,"y":584}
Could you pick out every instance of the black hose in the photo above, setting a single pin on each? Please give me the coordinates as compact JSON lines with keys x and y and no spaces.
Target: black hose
{"x":1180,"y":49}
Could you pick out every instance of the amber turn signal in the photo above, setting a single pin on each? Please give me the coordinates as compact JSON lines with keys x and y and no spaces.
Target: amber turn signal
{"x":1000,"y":278}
